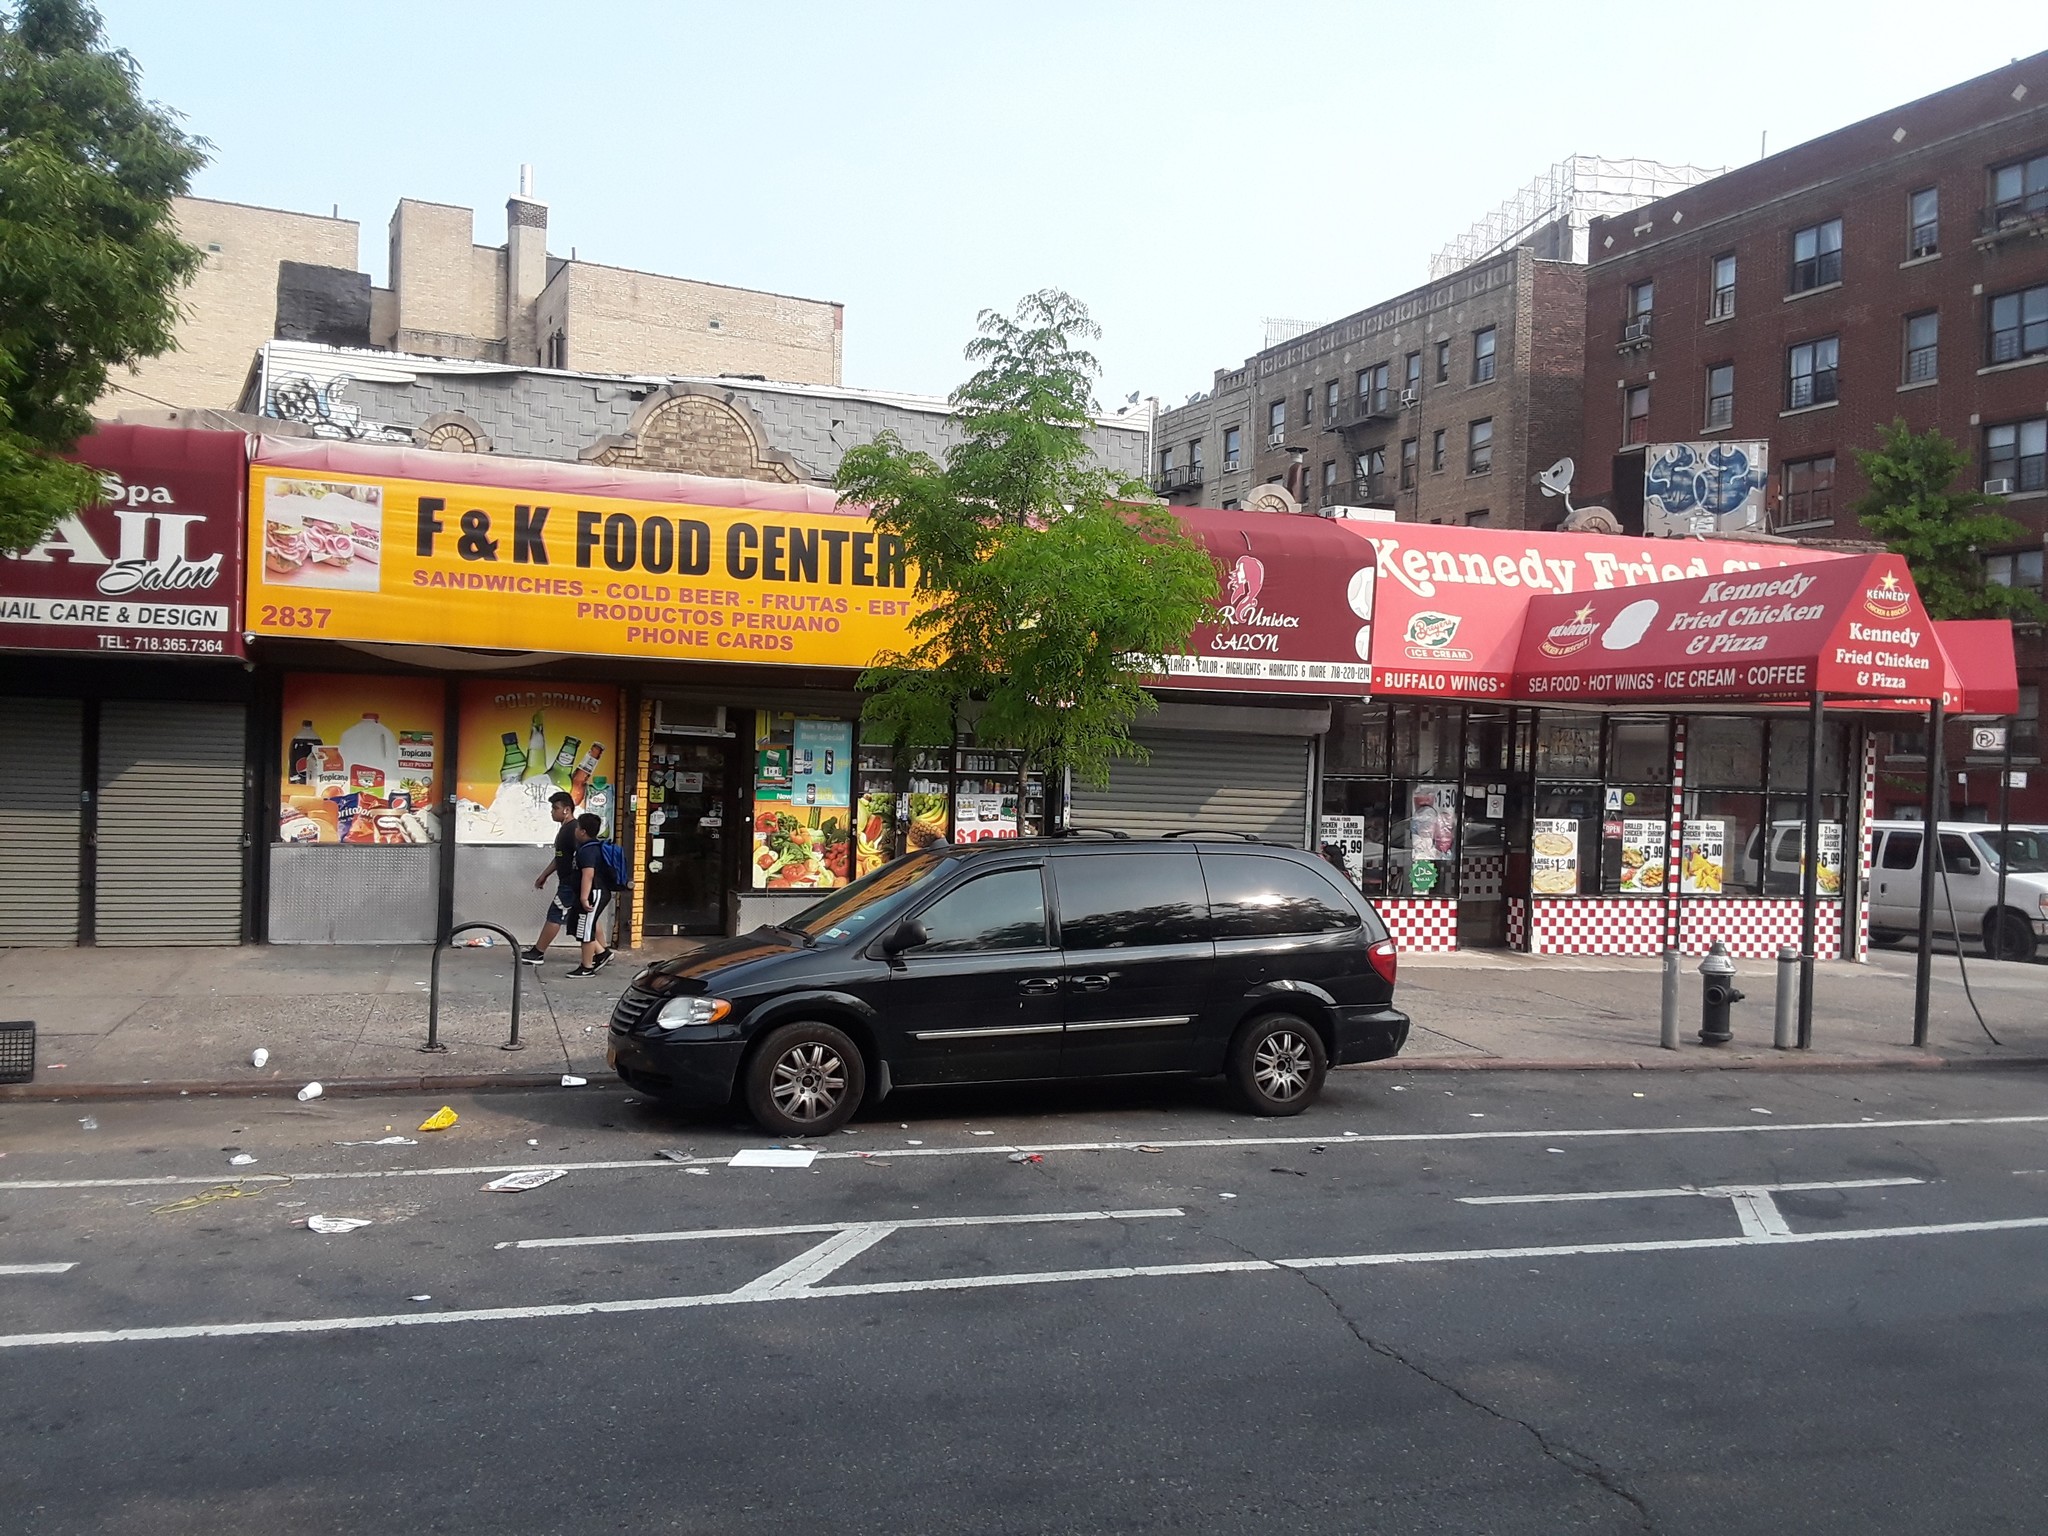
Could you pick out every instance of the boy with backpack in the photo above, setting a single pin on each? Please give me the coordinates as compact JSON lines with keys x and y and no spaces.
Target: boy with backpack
{"x":599,"y":872}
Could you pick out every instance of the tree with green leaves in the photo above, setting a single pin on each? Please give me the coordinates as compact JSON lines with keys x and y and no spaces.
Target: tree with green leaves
{"x":1942,"y":533}
{"x":90,"y":259}
{"x":1052,"y":588}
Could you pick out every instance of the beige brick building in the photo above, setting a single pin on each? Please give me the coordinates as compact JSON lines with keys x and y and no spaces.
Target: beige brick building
{"x":271,"y":274}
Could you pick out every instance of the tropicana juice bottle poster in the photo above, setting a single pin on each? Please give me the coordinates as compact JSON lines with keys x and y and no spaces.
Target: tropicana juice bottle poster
{"x":522,"y":743}
{"x":361,"y":759}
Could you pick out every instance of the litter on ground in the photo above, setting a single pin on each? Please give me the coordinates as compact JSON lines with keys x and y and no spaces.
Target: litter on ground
{"x":331,"y":1226}
{"x":1027,"y":1157}
{"x":310,"y":1091}
{"x":259,"y":1057}
{"x":87,"y":1123}
{"x":571,"y":1081}
{"x":673,"y":1155}
{"x":531,"y":1178}
{"x":773,"y":1157}
{"x":381,"y":1141}
{"x":440,"y":1119}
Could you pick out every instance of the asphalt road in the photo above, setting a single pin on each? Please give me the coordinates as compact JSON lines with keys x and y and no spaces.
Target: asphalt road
{"x":1329,"y":1324}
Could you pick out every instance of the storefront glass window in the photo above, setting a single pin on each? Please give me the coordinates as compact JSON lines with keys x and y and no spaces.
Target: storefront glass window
{"x":1568,"y":746}
{"x":1393,"y":834}
{"x":1775,"y":856}
{"x":1635,"y":841}
{"x":1722,"y":834}
{"x":1788,"y":755}
{"x":1639,"y":751}
{"x":1725,"y":752}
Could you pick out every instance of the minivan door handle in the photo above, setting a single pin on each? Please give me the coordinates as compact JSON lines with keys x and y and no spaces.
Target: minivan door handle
{"x":1039,"y":986}
{"x":1091,"y":983}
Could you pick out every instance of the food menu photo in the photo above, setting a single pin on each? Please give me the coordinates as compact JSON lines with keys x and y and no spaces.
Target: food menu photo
{"x":360,"y":760}
{"x":322,"y":534}
{"x":803,"y":814}
{"x":1554,"y":862}
{"x":1642,"y":857}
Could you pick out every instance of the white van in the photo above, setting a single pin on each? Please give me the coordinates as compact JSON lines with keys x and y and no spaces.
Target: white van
{"x":1971,"y":855}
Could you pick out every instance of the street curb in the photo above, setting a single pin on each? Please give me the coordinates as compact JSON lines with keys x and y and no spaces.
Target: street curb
{"x":244,"y":1088}
{"x":518,"y":1082}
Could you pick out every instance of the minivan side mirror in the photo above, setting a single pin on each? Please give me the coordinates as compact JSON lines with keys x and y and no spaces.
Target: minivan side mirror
{"x":907,"y":934}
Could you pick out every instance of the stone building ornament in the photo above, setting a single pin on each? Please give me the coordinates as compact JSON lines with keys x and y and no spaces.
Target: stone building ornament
{"x":452,"y":432}
{"x":696,"y":430}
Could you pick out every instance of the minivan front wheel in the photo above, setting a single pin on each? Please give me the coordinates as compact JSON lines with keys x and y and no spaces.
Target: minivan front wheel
{"x":2008,"y":936}
{"x":1277,"y":1064}
{"x":805,"y":1080}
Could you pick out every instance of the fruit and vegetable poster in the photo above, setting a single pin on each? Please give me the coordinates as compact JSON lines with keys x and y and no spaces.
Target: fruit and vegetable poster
{"x":1705,"y":868}
{"x":361,"y":759}
{"x":1642,"y":858}
{"x":875,"y":823}
{"x":1554,"y":857}
{"x":928,"y":816}
{"x":521,"y":743}
{"x":803,"y":814}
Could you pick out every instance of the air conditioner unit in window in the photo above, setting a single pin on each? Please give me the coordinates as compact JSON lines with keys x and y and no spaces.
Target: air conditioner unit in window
{"x":1409,"y":397}
{"x":673,"y":717}
{"x":1276,"y":439}
{"x":1230,"y":466}
{"x":1997,"y":487}
{"x":1636,"y":330}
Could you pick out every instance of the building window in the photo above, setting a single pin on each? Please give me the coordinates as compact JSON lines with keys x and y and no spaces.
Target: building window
{"x":1922,"y":332}
{"x":1478,"y":519}
{"x":1372,"y":389}
{"x":2019,"y":324}
{"x":1722,"y":305}
{"x":1308,"y":408}
{"x":2016,"y":456}
{"x":2019,"y":191}
{"x":1720,"y":394}
{"x":1641,"y":298}
{"x":1233,"y":445}
{"x":1817,"y":256}
{"x":1923,"y":223}
{"x":1276,"y":422}
{"x":1807,"y":492}
{"x":2022,"y":568}
{"x":1443,"y":362}
{"x":1810,"y":373}
{"x":1195,"y":456}
{"x":1635,"y":415}
{"x":1436,"y":449}
{"x":1479,"y":447}
{"x":1482,"y":354}
{"x":1329,"y":479}
{"x":1411,"y":454}
{"x":1165,"y":465}
{"x":1332,"y":393}
{"x":1413,"y":375}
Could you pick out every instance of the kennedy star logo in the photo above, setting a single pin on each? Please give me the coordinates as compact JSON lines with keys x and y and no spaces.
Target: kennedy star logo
{"x":1890,"y":582}
{"x":1583,"y":614}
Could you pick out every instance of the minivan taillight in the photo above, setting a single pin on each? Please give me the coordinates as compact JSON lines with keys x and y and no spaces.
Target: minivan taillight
{"x":1383,"y":960}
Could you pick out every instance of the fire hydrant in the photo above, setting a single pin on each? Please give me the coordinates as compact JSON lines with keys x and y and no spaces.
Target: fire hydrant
{"x":1717,"y":993}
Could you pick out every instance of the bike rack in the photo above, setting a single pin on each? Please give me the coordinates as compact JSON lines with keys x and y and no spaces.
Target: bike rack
{"x":434,"y":988}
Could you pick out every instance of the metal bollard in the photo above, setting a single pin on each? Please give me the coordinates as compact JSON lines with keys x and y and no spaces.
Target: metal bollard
{"x":1669,"y":1038}
{"x":1784,"y":1034}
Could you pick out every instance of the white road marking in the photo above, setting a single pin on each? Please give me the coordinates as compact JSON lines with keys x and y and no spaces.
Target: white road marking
{"x":814,"y":1264}
{"x":745,"y":1296}
{"x":35,"y":1269}
{"x":1712,"y":1191}
{"x":1758,"y":1214}
{"x":1329,"y":1140}
{"x":699,"y":1234}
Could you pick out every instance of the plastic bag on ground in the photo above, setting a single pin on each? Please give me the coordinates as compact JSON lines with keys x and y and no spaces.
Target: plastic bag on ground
{"x":330,"y":1226}
{"x":532,"y":1178}
{"x":440,"y":1119}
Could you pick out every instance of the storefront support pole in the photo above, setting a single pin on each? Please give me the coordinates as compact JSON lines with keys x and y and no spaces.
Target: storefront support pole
{"x":1930,"y":847}
{"x":1809,"y":872}
{"x":444,"y":906}
{"x":2004,"y":835}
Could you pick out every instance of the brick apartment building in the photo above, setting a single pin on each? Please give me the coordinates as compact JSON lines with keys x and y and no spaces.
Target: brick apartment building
{"x":271,"y":274}
{"x":1896,"y":268}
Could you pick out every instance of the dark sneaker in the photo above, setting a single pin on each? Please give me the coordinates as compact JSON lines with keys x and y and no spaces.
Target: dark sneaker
{"x":532,"y":956}
{"x":604,"y":958}
{"x":584,"y":970}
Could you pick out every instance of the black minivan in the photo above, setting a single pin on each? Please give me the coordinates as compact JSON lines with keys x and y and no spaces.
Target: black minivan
{"x":1026,"y":960}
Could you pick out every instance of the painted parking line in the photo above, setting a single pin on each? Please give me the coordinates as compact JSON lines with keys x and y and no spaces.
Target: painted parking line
{"x":754,"y":1293}
{"x":1329,"y":1141}
{"x":703,"y":1234}
{"x":35,"y":1269}
{"x":1711,"y":1191}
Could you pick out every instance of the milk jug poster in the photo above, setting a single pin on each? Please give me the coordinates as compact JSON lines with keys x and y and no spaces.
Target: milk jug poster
{"x":361,"y":759}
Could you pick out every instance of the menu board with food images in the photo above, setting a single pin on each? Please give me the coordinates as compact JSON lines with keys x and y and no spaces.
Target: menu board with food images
{"x":523,"y":743}
{"x":803,"y":815}
{"x":1705,"y":867}
{"x":1828,"y":878}
{"x":1554,"y":860}
{"x":359,"y":759}
{"x":1643,"y":844}
{"x":1342,"y":839}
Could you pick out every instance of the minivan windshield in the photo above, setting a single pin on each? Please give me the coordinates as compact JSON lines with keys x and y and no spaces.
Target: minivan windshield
{"x":2022,"y":853}
{"x":846,"y":914}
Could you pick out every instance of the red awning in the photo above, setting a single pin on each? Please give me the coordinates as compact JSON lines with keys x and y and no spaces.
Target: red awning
{"x":1982,"y":677}
{"x":1852,"y":628}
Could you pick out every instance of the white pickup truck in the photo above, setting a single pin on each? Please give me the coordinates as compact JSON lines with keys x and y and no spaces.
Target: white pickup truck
{"x":1971,"y":854}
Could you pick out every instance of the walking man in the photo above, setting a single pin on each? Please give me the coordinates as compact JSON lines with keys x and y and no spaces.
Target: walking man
{"x":562,"y":866}
{"x":593,"y":893}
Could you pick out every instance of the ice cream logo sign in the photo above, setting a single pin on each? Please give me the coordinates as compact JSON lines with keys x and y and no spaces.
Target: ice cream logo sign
{"x":1429,"y":635}
{"x":1889,"y":599}
{"x":151,"y":550}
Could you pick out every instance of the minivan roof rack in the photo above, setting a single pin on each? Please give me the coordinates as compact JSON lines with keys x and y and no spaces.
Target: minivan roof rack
{"x":1243,"y":837}
{"x":1093,"y":832}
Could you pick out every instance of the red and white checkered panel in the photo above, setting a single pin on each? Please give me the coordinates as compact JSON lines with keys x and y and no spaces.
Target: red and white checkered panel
{"x":1420,"y":925}
{"x":1482,"y":876}
{"x":1518,"y":922}
{"x":1674,"y":847}
{"x":1621,"y":925}
{"x":1863,"y":853}
{"x":1756,"y":927}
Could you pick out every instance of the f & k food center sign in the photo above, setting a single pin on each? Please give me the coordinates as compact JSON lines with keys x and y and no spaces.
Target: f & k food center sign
{"x":154,"y":569}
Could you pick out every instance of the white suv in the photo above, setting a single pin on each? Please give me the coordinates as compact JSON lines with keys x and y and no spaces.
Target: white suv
{"x":1971,"y":854}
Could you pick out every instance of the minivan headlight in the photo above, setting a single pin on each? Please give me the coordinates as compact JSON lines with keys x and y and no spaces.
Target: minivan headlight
{"x":682,"y":1012}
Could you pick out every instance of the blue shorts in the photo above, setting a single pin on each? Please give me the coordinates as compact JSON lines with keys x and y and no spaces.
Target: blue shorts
{"x":562,"y":910}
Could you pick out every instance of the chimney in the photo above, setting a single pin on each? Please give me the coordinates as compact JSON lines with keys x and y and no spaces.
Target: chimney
{"x":526,"y":269}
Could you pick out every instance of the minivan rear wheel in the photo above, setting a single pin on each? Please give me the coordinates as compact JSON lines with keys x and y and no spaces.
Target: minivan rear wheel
{"x":1277,"y":1064}
{"x":2008,"y":936}
{"x":805,"y":1080}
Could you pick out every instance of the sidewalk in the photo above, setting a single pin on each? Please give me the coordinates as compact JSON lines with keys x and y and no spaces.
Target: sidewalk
{"x":150,"y":1021}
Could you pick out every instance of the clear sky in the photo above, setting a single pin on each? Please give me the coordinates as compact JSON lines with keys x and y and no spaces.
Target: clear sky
{"x":1186,"y":169}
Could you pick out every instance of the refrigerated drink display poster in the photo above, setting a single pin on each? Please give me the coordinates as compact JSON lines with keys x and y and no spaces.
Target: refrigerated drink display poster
{"x":803,"y":792}
{"x":521,"y":743}
{"x":361,"y":759}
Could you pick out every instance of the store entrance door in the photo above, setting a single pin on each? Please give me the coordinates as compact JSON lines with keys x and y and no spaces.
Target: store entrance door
{"x":695,"y":818}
